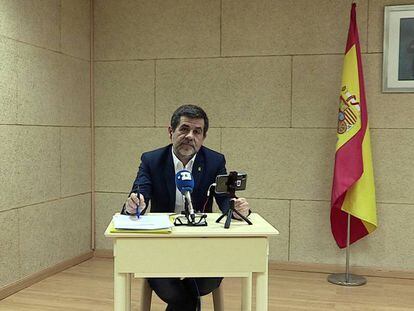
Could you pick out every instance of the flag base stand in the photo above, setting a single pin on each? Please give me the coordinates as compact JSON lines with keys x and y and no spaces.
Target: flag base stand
{"x":346,"y":280}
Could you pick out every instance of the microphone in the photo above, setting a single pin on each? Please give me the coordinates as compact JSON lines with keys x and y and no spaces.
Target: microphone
{"x":185,"y":184}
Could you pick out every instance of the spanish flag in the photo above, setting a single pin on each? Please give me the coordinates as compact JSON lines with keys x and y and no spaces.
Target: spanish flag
{"x":353,"y":189}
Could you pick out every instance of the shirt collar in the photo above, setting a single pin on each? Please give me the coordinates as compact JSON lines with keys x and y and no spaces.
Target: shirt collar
{"x":178,"y":165}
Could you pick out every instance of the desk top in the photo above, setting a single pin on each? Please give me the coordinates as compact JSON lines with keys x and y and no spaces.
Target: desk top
{"x":260,"y":228}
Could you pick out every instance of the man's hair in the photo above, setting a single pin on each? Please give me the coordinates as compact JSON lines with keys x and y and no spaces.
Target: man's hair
{"x":189,"y":111}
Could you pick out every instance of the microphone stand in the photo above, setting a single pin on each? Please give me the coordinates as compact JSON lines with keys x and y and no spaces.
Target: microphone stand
{"x":231,"y":193}
{"x":190,"y":218}
{"x":189,"y":221}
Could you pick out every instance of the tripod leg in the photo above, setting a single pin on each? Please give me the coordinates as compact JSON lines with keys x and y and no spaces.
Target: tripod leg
{"x":228,"y":220}
{"x":220,"y":218}
{"x":242,"y":217}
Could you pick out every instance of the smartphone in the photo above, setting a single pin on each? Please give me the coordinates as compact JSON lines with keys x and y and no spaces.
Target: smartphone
{"x":221,"y":182}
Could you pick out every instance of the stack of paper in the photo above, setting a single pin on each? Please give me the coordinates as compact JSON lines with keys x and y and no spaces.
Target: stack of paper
{"x":150,"y":222}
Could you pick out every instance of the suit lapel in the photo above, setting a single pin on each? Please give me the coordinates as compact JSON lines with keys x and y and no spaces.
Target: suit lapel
{"x":198,"y":168}
{"x":169,"y":175}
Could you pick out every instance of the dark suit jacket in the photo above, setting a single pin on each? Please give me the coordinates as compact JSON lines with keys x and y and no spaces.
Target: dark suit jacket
{"x":156,"y":179}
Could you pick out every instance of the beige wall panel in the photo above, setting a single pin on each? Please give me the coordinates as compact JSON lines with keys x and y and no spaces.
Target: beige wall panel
{"x":316,"y":85}
{"x":8,"y":185}
{"x":129,"y":29}
{"x":74,"y":92}
{"x":312,"y":240}
{"x":107,"y":204}
{"x":37,"y":165}
{"x":118,"y":153}
{"x":9,"y":245}
{"x":59,"y":230}
{"x":75,"y":28}
{"x":39,"y":93}
{"x":393,"y":157}
{"x":299,"y":162}
{"x":275,"y":212}
{"x":77,"y":232}
{"x":124,"y":93}
{"x":235,"y":92}
{"x":39,"y":23}
{"x":282,"y":163}
{"x":8,"y":81}
{"x":9,"y":18}
{"x":30,"y":165}
{"x":391,"y":244}
{"x":53,"y":89}
{"x":267,"y":27}
{"x":376,"y":22}
{"x":213,"y":139}
{"x":385,"y":110}
{"x":76,"y":160}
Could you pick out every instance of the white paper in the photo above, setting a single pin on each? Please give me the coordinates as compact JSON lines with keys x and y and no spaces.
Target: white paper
{"x":142,"y":223}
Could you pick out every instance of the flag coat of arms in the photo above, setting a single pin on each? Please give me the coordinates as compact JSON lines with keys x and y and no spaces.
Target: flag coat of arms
{"x":353,"y":189}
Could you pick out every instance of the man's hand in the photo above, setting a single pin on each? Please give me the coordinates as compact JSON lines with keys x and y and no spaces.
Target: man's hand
{"x":242,"y":206}
{"x":132,"y":203}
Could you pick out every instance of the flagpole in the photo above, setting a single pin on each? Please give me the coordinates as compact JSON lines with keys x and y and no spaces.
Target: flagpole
{"x":347,"y":279}
{"x":348,"y":234}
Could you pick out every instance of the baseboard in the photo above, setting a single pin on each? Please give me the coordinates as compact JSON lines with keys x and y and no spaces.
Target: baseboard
{"x":38,"y":276}
{"x":104,"y":253}
{"x":334,"y":268}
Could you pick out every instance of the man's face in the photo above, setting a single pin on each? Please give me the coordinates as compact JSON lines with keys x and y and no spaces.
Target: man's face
{"x":187,"y":138}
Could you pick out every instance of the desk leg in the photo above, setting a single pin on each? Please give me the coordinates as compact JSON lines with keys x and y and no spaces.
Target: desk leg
{"x":247,"y":293}
{"x":128,"y":291}
{"x":261,"y":291}
{"x":122,"y":291}
{"x":262,"y":286}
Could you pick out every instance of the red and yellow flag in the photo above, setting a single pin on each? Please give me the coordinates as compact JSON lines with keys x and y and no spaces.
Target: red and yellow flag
{"x":353,"y":189}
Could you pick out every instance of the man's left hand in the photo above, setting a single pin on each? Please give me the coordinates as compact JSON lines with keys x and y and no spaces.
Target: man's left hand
{"x":242,"y":206}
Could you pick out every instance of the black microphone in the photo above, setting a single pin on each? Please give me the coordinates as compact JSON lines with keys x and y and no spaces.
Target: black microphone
{"x":185,"y":184}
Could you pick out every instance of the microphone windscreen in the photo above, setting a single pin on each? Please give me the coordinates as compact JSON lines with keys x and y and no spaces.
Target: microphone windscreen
{"x":184,"y":181}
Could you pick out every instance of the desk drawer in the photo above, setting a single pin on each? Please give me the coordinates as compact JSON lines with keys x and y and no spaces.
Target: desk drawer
{"x":190,"y":256}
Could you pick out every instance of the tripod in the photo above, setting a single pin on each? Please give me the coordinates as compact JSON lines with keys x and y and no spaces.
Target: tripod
{"x":231,"y":193}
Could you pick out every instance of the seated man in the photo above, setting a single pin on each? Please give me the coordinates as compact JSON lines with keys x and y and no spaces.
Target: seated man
{"x":156,"y":183}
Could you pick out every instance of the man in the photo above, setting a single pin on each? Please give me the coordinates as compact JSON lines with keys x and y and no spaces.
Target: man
{"x":155,"y":183}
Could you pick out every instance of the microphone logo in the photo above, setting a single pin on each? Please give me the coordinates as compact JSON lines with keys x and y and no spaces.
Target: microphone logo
{"x":184,"y":175}
{"x":184,"y":181}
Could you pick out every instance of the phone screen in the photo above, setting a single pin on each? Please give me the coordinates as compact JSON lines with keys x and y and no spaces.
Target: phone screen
{"x":221,"y":182}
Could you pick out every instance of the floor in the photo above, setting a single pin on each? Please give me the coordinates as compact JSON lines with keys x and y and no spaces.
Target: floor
{"x":89,"y":286}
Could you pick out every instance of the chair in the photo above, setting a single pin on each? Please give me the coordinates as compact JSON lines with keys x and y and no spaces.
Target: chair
{"x":146,"y":296}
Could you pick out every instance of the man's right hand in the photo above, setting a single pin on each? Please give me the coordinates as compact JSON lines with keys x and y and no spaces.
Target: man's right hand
{"x":132,"y":203}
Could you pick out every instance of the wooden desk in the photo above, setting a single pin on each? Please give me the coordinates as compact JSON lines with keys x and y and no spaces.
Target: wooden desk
{"x":212,"y":251}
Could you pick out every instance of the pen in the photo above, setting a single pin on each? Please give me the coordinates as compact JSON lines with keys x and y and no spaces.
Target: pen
{"x":138,"y":212}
